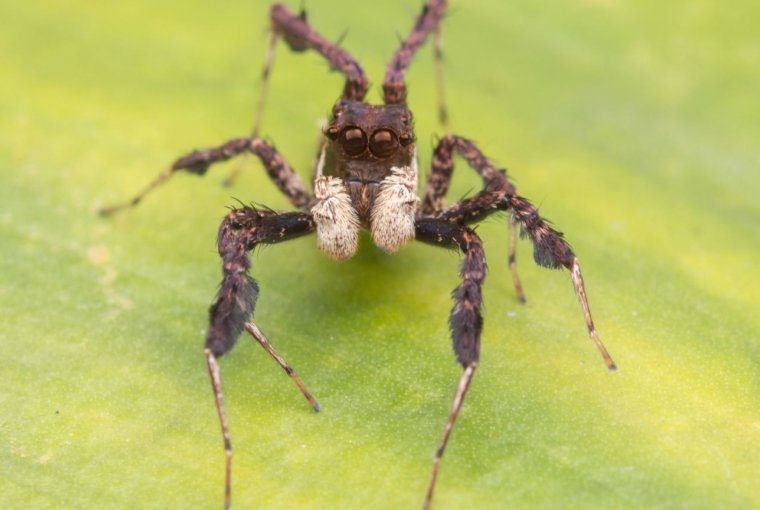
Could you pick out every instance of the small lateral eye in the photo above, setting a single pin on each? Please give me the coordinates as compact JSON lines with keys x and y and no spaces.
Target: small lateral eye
{"x":384,"y":143}
{"x":405,"y":139}
{"x":332,"y":133}
{"x":353,"y":140}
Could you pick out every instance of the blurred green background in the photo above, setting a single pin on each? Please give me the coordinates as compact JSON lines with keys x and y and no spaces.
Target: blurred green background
{"x":633,"y":125}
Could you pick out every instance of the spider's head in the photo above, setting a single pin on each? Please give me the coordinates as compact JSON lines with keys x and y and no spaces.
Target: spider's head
{"x":367,"y":140}
{"x":370,"y":154}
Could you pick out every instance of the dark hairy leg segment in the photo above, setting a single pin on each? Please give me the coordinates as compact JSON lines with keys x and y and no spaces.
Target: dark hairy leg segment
{"x":465,"y":321}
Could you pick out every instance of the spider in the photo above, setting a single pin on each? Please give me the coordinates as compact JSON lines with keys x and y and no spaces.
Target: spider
{"x":366,"y":178}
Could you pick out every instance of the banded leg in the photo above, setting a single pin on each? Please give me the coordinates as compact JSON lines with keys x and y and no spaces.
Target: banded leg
{"x":261,"y":338}
{"x":443,"y":113}
{"x":442,"y":168}
{"x":241,"y":231}
{"x":495,"y":183}
{"x":549,"y":246}
{"x":465,"y":321}
{"x":198,"y":162}
{"x":258,"y":115}
{"x":394,"y":87}
{"x":513,"y":259}
{"x":264,"y":87}
{"x":476,"y":208}
{"x":300,"y":36}
{"x":551,"y":250}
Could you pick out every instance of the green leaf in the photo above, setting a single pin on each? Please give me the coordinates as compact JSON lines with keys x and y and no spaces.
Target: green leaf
{"x":633,"y":126}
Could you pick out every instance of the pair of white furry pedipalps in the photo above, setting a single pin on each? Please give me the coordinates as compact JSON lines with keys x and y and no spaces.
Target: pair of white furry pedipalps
{"x":391,"y":219}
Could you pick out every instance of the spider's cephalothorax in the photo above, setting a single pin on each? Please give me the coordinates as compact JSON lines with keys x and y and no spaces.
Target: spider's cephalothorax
{"x":366,"y":177}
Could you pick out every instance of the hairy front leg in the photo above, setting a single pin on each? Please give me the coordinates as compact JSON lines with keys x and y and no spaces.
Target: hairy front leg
{"x":198,"y":162}
{"x":394,"y":86}
{"x":442,"y":169}
{"x":300,"y":36}
{"x":551,"y":250}
{"x":465,"y":321}
{"x":496,"y":186}
{"x":232,"y":311}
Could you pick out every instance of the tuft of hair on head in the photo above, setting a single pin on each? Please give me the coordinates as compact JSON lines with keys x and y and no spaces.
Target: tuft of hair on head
{"x":336,"y":220}
{"x":392,"y":219}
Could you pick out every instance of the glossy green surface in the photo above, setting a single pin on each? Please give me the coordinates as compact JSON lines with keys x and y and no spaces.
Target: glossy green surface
{"x":634,"y":126}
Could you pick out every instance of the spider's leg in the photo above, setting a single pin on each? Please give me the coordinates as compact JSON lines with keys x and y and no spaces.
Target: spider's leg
{"x":495,"y":186}
{"x":443,"y":113}
{"x":476,"y":208}
{"x":300,"y":36}
{"x":466,"y":321}
{"x":197,"y":162}
{"x":261,"y":338}
{"x":513,"y":259}
{"x":263,"y":89}
{"x":241,"y":231}
{"x":394,"y":87}
{"x":551,"y":250}
{"x":442,"y":167}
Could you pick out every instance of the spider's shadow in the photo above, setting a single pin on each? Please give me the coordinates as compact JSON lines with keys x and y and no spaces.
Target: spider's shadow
{"x":370,"y":282}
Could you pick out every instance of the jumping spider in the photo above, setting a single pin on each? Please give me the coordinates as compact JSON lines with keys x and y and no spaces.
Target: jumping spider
{"x":366,"y":177}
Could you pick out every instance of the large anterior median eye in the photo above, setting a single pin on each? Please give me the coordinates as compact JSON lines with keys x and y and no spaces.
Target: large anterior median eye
{"x":353,"y":140}
{"x":384,"y":142}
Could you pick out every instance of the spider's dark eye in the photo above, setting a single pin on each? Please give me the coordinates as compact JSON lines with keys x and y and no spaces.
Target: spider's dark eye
{"x":353,"y":140}
{"x":406,"y":139}
{"x":332,"y":133}
{"x":383,"y":143}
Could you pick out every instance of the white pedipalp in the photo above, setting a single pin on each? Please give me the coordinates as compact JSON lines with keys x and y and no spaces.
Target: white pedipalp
{"x":336,"y":220}
{"x":395,"y":207}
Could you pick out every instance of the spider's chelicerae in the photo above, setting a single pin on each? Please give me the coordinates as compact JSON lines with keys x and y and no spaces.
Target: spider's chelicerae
{"x":366,"y":177}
